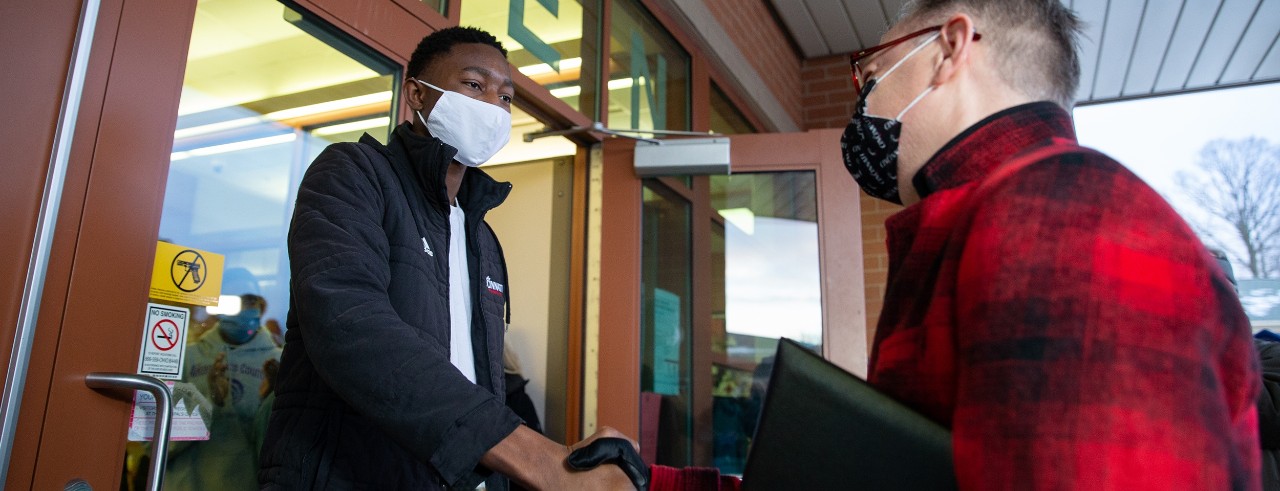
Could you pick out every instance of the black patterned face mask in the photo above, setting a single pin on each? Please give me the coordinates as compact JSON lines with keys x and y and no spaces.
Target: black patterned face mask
{"x":870,"y":150}
{"x":870,"y":143}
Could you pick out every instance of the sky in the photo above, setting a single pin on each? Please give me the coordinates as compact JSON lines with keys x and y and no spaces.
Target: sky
{"x":1157,"y":137}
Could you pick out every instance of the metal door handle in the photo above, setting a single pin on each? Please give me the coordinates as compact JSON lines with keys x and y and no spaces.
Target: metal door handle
{"x":164,"y":413}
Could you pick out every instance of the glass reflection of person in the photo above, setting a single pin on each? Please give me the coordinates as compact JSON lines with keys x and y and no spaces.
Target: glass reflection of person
{"x":223,"y":374}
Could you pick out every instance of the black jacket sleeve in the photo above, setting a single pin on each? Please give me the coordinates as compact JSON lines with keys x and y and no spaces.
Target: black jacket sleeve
{"x":386,"y":370}
{"x":1269,"y":396}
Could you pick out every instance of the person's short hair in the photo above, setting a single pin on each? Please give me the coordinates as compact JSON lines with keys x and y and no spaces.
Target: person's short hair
{"x":1033,"y":42}
{"x":249,"y":300}
{"x":440,"y":42}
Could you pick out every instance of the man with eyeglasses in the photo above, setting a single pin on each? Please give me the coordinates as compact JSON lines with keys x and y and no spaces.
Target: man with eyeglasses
{"x":1042,"y":302}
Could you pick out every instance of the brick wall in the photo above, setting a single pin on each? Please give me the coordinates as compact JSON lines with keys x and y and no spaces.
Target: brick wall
{"x":766,"y":46}
{"x":875,"y":258}
{"x":828,"y":92}
{"x":828,"y":102}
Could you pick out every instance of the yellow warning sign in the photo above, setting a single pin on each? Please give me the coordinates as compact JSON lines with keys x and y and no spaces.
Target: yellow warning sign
{"x":186,"y":275}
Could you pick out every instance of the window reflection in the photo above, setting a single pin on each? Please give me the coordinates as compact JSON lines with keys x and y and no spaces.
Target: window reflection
{"x":726,"y":119}
{"x":765,"y":254}
{"x":262,"y":96}
{"x":648,"y":73}
{"x":436,"y":5}
{"x":545,"y":41}
{"x":665,"y":320}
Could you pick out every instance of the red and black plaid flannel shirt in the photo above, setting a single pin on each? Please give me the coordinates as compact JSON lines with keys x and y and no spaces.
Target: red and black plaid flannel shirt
{"x":1076,"y":335}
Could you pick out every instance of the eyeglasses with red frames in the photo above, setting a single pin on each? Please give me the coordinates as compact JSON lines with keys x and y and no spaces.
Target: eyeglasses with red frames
{"x":862,"y":55}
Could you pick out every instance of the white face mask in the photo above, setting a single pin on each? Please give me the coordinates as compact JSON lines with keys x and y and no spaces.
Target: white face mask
{"x":476,"y":128}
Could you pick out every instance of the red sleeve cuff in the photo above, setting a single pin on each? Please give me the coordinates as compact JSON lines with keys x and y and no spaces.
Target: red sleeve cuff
{"x":663,"y":478}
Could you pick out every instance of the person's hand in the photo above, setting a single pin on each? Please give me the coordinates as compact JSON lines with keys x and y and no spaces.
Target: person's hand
{"x":270,"y":369}
{"x":604,"y":432}
{"x":606,"y":477}
{"x":620,"y":452}
{"x":219,"y":384}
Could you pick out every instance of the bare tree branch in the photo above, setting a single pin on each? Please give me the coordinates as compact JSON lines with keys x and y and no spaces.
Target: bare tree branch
{"x":1238,"y":182}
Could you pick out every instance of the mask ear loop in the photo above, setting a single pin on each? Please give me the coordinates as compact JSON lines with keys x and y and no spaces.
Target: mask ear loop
{"x":442,"y":90}
{"x":419,"y":112}
{"x":908,"y":56}
{"x":899,"y":63}
{"x":912,"y":104}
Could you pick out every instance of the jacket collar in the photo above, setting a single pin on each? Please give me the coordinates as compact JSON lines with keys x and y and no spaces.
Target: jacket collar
{"x":427,"y":158}
{"x":981,"y":148}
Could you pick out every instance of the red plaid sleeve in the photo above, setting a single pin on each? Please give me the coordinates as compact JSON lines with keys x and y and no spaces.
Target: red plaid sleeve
{"x":1097,"y":345}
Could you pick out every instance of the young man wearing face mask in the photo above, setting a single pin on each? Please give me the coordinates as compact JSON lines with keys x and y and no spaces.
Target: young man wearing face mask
{"x":1042,"y":302}
{"x":392,"y":370}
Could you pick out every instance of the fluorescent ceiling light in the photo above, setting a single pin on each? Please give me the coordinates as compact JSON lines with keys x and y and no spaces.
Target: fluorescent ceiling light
{"x":215,"y":127}
{"x":324,"y":107}
{"x":352,"y":126}
{"x":622,"y":83}
{"x":543,"y":68}
{"x":296,"y":112}
{"x":564,"y":92}
{"x":233,"y":146}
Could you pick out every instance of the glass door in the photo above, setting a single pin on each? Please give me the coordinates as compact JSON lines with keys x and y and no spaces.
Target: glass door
{"x":767,"y":286}
{"x":698,"y":281}
{"x":267,"y":88}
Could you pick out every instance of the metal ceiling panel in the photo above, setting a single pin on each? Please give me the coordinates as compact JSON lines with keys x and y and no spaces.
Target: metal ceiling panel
{"x":1270,"y":66}
{"x":1260,"y":37}
{"x":833,"y":23}
{"x":1225,"y":36}
{"x":1193,"y":29}
{"x":796,"y":17}
{"x":1094,"y":15}
{"x":1149,"y":49}
{"x":1124,"y":19}
{"x":1129,"y":48}
{"x":868,"y":20}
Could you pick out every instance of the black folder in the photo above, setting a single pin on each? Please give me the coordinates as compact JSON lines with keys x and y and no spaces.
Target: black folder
{"x":824,"y":428}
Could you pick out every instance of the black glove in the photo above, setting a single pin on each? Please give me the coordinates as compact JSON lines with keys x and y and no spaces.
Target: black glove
{"x":615,"y":451}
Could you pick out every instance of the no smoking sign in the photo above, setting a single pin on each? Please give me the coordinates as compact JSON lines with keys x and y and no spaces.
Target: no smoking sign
{"x":163,"y":342}
{"x":164,"y":334}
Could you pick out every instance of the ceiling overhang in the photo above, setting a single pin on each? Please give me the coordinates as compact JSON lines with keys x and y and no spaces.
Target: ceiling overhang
{"x":1130,"y":48}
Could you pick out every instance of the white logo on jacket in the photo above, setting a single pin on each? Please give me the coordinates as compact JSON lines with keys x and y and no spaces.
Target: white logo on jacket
{"x":494,"y":287}
{"x":427,"y":248}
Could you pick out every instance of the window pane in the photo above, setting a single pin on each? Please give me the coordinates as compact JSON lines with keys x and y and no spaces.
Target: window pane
{"x":545,"y":41}
{"x":665,"y":320}
{"x":765,"y":254}
{"x":648,"y":73}
{"x":726,"y":119}
{"x":267,"y":87}
{"x":436,"y":5}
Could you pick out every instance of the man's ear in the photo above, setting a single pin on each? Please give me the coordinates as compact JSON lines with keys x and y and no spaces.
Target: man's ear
{"x":957,"y":37}
{"x":413,"y":94}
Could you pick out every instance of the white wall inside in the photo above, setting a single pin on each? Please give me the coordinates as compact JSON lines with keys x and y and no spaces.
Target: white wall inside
{"x":525,"y":225}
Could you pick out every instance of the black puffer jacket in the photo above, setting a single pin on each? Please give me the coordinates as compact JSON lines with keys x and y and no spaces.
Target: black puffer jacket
{"x":1269,"y":412}
{"x":367,"y":397}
